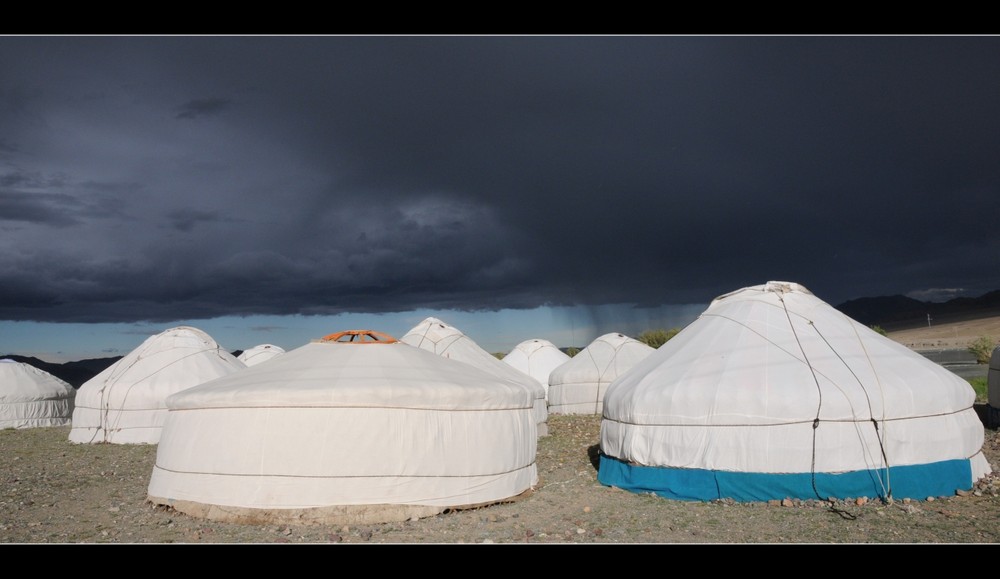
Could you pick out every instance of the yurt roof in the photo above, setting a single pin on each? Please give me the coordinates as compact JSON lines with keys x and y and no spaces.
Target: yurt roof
{"x":604,"y":358}
{"x":771,"y":352}
{"x":22,"y":382}
{"x":175,"y":358}
{"x":359,"y":368}
{"x":447,"y":341}
{"x":537,"y":358}
{"x":259,"y":353}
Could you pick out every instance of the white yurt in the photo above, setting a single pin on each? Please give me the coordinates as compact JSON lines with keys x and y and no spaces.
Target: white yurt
{"x":126,"y":403}
{"x":578,"y":386}
{"x":537,"y":358}
{"x":772,"y":393}
{"x":993,"y":390}
{"x":259,"y":353}
{"x":353,"y":428}
{"x":445,"y":340}
{"x":31,"y":397}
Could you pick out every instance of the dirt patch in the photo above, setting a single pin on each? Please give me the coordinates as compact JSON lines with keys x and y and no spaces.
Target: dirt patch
{"x":53,"y":491}
{"x":950,"y":336}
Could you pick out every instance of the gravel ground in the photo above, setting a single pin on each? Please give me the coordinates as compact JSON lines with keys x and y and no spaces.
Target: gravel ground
{"x":54,"y":491}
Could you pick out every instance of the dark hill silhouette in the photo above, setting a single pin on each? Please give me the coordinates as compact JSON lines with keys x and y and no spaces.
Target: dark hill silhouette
{"x":75,"y":373}
{"x":899,"y":312}
{"x":892,"y":313}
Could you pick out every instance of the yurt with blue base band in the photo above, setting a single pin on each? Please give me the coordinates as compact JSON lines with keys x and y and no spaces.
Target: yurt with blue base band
{"x":772,"y":393}
{"x":448,"y":341}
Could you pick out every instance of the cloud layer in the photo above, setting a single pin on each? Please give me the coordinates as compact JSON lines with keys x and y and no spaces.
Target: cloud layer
{"x":162,"y":178}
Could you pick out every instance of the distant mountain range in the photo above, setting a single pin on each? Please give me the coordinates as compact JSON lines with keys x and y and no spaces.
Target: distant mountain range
{"x":75,"y":373}
{"x":892,"y":313}
{"x":899,"y":312}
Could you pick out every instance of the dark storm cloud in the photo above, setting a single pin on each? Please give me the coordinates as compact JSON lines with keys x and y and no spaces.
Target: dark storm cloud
{"x":429,"y":253}
{"x":52,"y":209}
{"x":186,"y":219}
{"x":33,"y":198}
{"x":202,"y":107}
{"x":376,"y":174}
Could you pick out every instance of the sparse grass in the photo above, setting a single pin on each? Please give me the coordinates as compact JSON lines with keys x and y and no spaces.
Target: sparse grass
{"x":983,"y":347}
{"x":656,"y":338}
{"x":979,"y":384}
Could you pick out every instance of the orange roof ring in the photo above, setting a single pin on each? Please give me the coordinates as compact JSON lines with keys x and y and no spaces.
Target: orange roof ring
{"x":359,"y":337}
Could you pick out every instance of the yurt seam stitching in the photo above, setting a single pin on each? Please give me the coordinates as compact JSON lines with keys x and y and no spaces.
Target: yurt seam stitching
{"x":318,"y":476}
{"x":370,"y":407}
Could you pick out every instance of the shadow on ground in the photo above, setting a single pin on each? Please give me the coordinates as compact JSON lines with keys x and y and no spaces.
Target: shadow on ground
{"x":594,"y":452}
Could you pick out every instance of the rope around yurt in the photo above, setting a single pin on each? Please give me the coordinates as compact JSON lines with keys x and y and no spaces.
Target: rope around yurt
{"x":886,"y":489}
{"x":107,"y":425}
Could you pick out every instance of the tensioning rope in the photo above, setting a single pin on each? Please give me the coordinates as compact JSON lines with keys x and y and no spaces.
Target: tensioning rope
{"x":819,"y":392}
{"x":886,"y":487}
